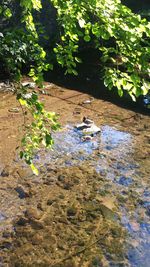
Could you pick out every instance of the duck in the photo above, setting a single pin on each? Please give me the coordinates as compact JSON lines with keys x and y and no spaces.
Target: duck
{"x":91,"y":130}
{"x":86,"y":122}
{"x":88,"y":127}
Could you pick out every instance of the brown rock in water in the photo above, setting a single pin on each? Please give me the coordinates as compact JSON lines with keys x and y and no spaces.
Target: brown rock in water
{"x":35,"y":224}
{"x":24,"y":172}
{"x":32,"y":214}
{"x":22,"y":192}
{"x":37,"y":239}
{"x":107,"y":213}
{"x":22,"y":221}
{"x":71,"y":211}
{"x":5,"y":172}
{"x":50,"y":202}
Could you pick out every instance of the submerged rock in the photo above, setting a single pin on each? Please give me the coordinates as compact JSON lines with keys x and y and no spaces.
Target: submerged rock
{"x":5,"y":172}
{"x":22,"y":192}
{"x":126,"y":181}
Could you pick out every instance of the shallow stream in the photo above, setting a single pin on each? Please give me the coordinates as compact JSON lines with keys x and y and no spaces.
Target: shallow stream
{"x":111,"y":154}
{"x":90,"y":205}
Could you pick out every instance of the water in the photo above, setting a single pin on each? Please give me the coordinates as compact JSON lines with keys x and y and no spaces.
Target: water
{"x":110,"y":153}
{"x":69,"y":144}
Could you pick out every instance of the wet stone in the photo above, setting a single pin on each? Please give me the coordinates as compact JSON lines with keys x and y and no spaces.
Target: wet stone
{"x":5,"y":172}
{"x":49,"y":180}
{"x":148,"y":211}
{"x":36,"y":224}
{"x":61,"y":196}
{"x":32,"y":213}
{"x":7,"y":234}
{"x":126,"y":181}
{"x":96,"y":261}
{"x":37,"y":239}
{"x":22,"y":221}
{"x":22,"y":192}
{"x":71,"y":211}
{"x":107,"y":213}
{"x":61,"y":178}
{"x":67,"y":186}
{"x":40,"y":206}
{"x":50,"y":202}
{"x":2,"y":217}
{"x":24,"y":173}
{"x":6,"y":244}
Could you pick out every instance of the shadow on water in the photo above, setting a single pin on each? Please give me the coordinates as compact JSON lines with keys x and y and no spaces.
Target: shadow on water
{"x":90,"y":81}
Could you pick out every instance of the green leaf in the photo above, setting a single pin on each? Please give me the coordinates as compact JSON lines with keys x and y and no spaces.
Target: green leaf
{"x":48,"y":139}
{"x":21,"y":154}
{"x":23,"y":102}
{"x":87,"y":38}
{"x":7,"y":13}
{"x":120,"y":92}
{"x":34,"y":169}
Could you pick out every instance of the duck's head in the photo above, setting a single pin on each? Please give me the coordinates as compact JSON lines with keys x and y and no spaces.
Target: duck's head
{"x":86,"y":120}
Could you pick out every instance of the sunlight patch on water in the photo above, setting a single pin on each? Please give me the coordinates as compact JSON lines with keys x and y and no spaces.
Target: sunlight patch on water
{"x":68,"y":144}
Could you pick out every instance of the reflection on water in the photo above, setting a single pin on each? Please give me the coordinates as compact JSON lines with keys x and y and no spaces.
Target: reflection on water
{"x":110,"y":153}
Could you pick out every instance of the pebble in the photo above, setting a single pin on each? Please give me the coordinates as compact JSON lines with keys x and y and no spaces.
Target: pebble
{"x":50,"y":202}
{"x":22,"y":221}
{"x":32,"y":213}
{"x":71,"y":211}
{"x":5,"y":172}
{"x":22,"y":192}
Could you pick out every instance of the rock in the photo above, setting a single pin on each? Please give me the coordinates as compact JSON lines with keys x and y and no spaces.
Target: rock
{"x":96,"y":261}
{"x":6,"y":244}
{"x":22,"y":221}
{"x":41,"y":206}
{"x":37,"y":239}
{"x":5,"y":172}
{"x":32,"y":213}
{"x":24,"y":172}
{"x":148,"y":211}
{"x":7,"y":234}
{"x":71,"y":211}
{"x":14,"y":110}
{"x":22,"y":192}
{"x":67,"y":186}
{"x":126,"y":181}
{"x":61,"y":178}
{"x":61,"y":196}
{"x":38,"y":225}
{"x":50,"y":202}
{"x":107,"y":213}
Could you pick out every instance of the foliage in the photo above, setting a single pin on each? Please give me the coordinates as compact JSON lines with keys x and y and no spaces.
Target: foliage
{"x":122,"y":38}
{"x":18,"y":48}
{"x":39,"y":131}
